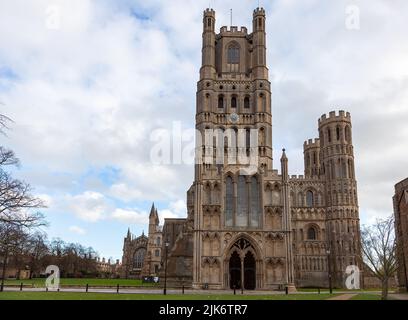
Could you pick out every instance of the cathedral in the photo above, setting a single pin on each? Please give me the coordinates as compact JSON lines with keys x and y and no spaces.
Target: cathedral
{"x":249,"y":225}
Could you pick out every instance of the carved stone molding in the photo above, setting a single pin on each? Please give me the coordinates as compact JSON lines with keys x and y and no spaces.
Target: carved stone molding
{"x":210,"y":261}
{"x":275,"y":236}
{"x":274,"y":210}
{"x":275,"y":261}
{"x":211,"y":209}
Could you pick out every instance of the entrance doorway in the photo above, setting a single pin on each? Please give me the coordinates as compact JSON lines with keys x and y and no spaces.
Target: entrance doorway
{"x":249,"y":271}
{"x":242,"y":271}
{"x":235,"y":271}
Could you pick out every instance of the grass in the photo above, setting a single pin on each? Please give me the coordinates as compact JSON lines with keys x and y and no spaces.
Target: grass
{"x":341,"y":290}
{"x":40,"y":282}
{"x":112,"y":296}
{"x":366,"y":296}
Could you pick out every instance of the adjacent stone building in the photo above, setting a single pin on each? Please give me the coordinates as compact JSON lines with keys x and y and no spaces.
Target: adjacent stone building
{"x":249,"y":224}
{"x":400,"y":201}
{"x":134,"y":254}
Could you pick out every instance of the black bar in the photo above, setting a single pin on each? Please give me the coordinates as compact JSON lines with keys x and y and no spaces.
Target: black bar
{"x":87,"y":288}
{"x":117,"y":288}
{"x":21,"y":286}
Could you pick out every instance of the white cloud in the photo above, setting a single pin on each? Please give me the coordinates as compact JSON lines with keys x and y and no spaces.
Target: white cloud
{"x":176,"y":209}
{"x":131,"y":216}
{"x":77,"y":230}
{"x":89,"y":206}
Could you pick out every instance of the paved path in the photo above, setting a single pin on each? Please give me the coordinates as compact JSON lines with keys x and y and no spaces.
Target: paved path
{"x":346,"y":296}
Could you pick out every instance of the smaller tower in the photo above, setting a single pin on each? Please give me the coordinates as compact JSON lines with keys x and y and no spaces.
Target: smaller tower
{"x":337,"y":163}
{"x":311,"y":153}
{"x":208,"y":51}
{"x":153,"y":220}
{"x":260,"y":70}
{"x":151,"y":265}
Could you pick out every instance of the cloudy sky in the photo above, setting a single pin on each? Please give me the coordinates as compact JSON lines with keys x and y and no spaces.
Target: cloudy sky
{"x":87,"y":82}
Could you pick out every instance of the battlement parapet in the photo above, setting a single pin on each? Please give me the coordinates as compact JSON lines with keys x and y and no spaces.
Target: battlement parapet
{"x":259,"y":11}
{"x":311,"y":143}
{"x":209,"y":12}
{"x":233,"y":30}
{"x":334,"y":116}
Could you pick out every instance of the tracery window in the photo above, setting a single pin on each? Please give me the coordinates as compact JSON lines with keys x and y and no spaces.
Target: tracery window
{"x":243,"y":210}
{"x":138,"y":258}
{"x":233,"y":56}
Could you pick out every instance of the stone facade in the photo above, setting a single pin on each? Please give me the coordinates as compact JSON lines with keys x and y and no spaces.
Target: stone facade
{"x":247,"y":223}
{"x":400,"y":200}
{"x":134,"y":255}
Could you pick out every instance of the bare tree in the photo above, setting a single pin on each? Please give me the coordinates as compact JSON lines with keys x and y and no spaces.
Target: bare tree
{"x":17,"y":217}
{"x":3,"y":123}
{"x":11,"y":236}
{"x":37,"y":249}
{"x":379,"y":251}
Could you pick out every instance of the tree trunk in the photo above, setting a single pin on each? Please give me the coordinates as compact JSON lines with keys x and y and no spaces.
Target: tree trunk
{"x":3,"y":277}
{"x":384,"y":293}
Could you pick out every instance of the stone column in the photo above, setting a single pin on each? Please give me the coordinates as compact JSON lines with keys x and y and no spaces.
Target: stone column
{"x":290,"y":280}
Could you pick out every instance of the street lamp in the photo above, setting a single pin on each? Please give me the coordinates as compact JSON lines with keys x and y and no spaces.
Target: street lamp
{"x":165,"y":267}
{"x":329,"y":271}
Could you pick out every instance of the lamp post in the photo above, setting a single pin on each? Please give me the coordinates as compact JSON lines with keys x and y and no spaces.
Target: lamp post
{"x":165,"y":268}
{"x":329,"y":271}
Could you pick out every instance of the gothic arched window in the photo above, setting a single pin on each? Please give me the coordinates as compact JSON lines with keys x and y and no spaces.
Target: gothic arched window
{"x":233,"y":102}
{"x":255,"y":207}
{"x":348,"y":134}
{"x":309,"y":198}
{"x":311,"y":233}
{"x":233,"y":57}
{"x":242,"y":207}
{"x":233,"y":53}
{"x":138,"y":258}
{"x":229,"y":201}
{"x":220,"y":101}
{"x":247,"y":104}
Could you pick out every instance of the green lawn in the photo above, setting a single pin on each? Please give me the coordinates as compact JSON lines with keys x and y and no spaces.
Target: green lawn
{"x":112,"y":296}
{"x":40,"y":282}
{"x":367,"y":296}
{"x":340,"y":290}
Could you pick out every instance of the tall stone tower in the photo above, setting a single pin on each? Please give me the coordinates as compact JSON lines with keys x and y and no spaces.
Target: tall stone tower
{"x":233,"y":93}
{"x":235,"y":120}
{"x":337,"y":163}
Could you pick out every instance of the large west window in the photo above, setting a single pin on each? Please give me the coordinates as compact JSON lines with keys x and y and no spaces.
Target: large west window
{"x":244,"y":209}
{"x":233,"y":53}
